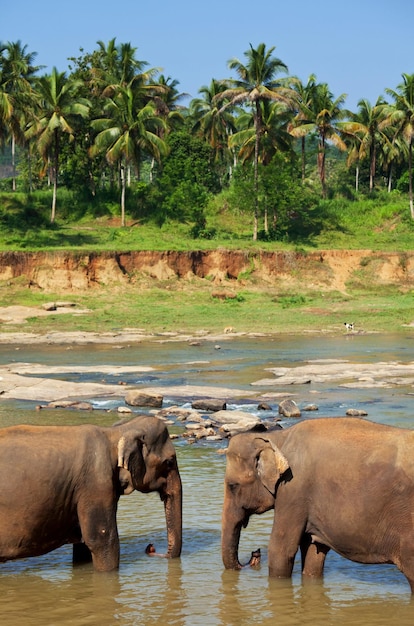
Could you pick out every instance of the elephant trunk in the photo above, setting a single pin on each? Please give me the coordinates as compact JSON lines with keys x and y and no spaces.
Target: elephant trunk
{"x":230,"y":538}
{"x":172,"y":497}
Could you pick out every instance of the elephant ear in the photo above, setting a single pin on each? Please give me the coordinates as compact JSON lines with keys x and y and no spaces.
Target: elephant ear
{"x":271,"y":464}
{"x":131,"y":460}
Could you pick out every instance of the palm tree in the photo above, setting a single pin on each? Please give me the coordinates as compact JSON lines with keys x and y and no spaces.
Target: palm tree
{"x":274,"y":137}
{"x":167,"y":99}
{"x":17,"y":98}
{"x":129,"y":130}
{"x":368,"y":126}
{"x":116,"y":66}
{"x":320,"y":116}
{"x":213,"y":123}
{"x":256,"y":84}
{"x":401,"y":116}
{"x":304,"y":97}
{"x":394,"y":152}
{"x":6,"y":103}
{"x":60,"y":106}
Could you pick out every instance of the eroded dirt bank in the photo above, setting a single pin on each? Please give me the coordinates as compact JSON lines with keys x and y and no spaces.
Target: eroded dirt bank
{"x":327,"y":269}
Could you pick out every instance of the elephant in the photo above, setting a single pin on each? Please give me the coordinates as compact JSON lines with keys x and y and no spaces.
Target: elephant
{"x":345,"y":484}
{"x":61,"y":485}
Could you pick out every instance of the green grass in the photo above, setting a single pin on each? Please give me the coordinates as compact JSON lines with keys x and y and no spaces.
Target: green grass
{"x":186,"y":307}
{"x":379,"y":223}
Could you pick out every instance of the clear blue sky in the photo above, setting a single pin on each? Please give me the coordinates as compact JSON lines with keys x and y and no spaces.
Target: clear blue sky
{"x":359,"y":47}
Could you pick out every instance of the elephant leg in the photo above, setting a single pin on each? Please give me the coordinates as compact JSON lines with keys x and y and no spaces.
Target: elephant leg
{"x":100,"y":535}
{"x":405,"y":562}
{"x":81,"y":554}
{"x":313,"y":557}
{"x":284,"y":543}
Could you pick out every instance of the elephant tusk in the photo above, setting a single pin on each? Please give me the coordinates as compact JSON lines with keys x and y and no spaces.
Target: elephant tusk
{"x":121,"y":453}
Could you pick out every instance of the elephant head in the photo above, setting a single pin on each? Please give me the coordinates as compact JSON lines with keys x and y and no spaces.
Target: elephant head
{"x":146,"y":461}
{"x":254,"y":466}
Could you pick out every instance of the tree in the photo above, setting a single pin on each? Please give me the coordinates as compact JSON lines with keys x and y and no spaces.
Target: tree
{"x":401,"y":116}
{"x":256,"y":84}
{"x":17,"y":98}
{"x":60,"y":106}
{"x":211,"y":122}
{"x":320,"y":115}
{"x":303,"y":95}
{"x":274,"y":138}
{"x":114,"y":65}
{"x":368,"y":126}
{"x":128,"y":130}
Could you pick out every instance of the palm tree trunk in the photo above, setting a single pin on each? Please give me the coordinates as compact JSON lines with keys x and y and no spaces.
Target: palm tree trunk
{"x":303,"y":159}
{"x":123,"y":185}
{"x":389,"y":187}
{"x":256,"y":174}
{"x":372,"y":166}
{"x":55,"y":176}
{"x":410,"y":177}
{"x":13,"y":147}
{"x":321,"y":165}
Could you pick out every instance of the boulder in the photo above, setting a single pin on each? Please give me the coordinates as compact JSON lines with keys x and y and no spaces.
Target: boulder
{"x":138,"y":398}
{"x":356,"y":413}
{"x":70,"y":404}
{"x":209,"y":405}
{"x":180,"y":414}
{"x":233,"y":422}
{"x":263,"y":406}
{"x":124,"y":409}
{"x":311,"y":407}
{"x":289,"y":408}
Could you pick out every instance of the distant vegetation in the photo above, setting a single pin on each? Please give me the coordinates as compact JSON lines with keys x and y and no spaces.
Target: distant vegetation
{"x":106,"y":156}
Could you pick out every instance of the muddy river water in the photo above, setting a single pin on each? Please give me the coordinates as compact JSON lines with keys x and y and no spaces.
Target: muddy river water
{"x":195,"y":590}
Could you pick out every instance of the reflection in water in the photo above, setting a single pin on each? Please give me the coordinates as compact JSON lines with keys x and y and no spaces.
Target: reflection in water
{"x":194,"y":590}
{"x":84,"y":598}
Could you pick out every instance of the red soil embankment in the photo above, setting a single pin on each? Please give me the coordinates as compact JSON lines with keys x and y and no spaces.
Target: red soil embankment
{"x":325,"y":270}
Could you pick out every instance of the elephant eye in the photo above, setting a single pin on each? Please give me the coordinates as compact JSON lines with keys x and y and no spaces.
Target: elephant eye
{"x":232,"y":487}
{"x":170,"y":463}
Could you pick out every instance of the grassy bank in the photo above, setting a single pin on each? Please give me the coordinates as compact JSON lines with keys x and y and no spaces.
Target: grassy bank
{"x":378,"y":223}
{"x":186,"y":307}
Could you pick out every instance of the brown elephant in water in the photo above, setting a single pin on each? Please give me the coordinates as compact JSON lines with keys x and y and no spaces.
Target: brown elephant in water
{"x":61,"y":484}
{"x":345,"y":484}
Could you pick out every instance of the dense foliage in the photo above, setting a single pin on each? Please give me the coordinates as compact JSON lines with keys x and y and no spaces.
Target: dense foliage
{"x":111,"y":137}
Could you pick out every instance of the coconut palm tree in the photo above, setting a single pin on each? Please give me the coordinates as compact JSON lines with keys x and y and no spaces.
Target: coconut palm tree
{"x":114,"y":66}
{"x":274,"y":137}
{"x":304,"y":97}
{"x":256,"y":83}
{"x":369,"y":127}
{"x":60,"y":106}
{"x":213,"y":123}
{"x":401,"y":116}
{"x":17,"y":97}
{"x":320,"y":115}
{"x":128,"y":130}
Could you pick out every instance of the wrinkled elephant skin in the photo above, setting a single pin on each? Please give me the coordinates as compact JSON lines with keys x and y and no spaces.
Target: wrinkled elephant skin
{"x":61,"y":484}
{"x":345,"y":484}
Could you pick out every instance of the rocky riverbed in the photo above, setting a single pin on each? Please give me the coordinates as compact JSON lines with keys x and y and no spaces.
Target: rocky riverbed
{"x":46,"y":386}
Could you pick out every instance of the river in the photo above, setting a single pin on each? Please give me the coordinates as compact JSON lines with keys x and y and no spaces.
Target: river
{"x":195,"y":590}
